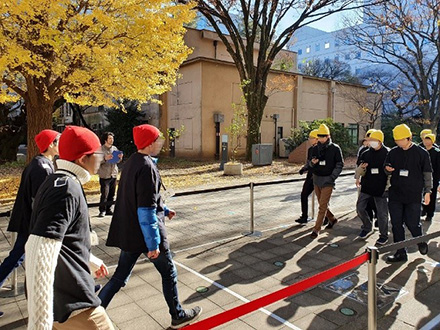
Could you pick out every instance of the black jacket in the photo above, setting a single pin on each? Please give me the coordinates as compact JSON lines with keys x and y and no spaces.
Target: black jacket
{"x":375,"y":179}
{"x":307,"y":168}
{"x":139,"y":186}
{"x":330,"y":164}
{"x":434,"y":155}
{"x":408,"y":188}
{"x":31,"y":179}
{"x":61,"y":213}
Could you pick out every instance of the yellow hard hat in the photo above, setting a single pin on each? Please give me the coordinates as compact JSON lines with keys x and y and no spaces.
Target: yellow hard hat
{"x":430,"y":136}
{"x":377,"y":134}
{"x":425,"y":131}
{"x":401,"y":131}
{"x":313,"y":134}
{"x":368,"y":134}
{"x":323,"y":130}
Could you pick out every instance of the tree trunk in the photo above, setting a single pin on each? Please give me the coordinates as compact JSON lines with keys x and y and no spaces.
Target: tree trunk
{"x":255,"y":102}
{"x":39,"y":117}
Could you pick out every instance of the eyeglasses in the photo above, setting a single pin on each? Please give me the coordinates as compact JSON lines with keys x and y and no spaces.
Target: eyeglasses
{"x":99,"y":155}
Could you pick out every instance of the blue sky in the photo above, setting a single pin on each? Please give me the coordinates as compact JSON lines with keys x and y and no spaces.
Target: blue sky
{"x":330,"y":23}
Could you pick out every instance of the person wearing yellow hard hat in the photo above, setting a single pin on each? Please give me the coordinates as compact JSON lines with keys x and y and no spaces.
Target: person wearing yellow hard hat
{"x":373,"y":183}
{"x":423,"y":133}
{"x":308,"y":187}
{"x":411,"y":177}
{"x":365,"y":142}
{"x":434,"y":155}
{"x":327,"y":163}
{"x":371,"y":207}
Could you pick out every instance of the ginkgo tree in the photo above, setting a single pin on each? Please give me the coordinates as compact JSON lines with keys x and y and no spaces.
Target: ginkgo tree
{"x":89,"y":52}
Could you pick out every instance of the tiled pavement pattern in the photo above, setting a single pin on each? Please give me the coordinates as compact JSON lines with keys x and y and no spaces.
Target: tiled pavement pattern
{"x":210,"y":251}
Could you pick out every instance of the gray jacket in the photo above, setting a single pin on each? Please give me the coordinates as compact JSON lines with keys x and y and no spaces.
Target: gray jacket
{"x":108,"y":170}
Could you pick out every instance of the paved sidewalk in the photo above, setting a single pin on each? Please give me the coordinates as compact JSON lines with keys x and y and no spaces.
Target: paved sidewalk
{"x":211,"y":252}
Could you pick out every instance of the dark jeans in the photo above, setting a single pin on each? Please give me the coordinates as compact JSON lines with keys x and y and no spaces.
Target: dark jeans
{"x":15,"y":258}
{"x":307,"y":189}
{"x":371,"y":208}
{"x":164,"y":264}
{"x":408,"y":214}
{"x":430,"y":208}
{"x":108,"y":189}
{"x":382,"y":213}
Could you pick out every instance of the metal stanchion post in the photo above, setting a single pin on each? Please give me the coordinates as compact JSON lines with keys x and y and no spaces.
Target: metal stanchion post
{"x":252,"y":232}
{"x":14,"y":286}
{"x":251,"y":198}
{"x":372,"y":293}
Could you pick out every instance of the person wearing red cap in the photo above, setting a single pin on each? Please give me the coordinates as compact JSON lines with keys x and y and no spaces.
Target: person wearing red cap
{"x":32,"y":177}
{"x":60,"y":287}
{"x":138,"y":225}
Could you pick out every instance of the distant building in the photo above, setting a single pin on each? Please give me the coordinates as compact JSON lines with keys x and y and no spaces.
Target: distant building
{"x":96,"y":119}
{"x":311,"y":44}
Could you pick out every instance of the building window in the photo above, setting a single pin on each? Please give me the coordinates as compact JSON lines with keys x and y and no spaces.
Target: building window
{"x":300,"y":51}
{"x":347,"y":57}
{"x":308,"y":50}
{"x":353,"y":132}
{"x":317,"y":47}
{"x":327,"y":45}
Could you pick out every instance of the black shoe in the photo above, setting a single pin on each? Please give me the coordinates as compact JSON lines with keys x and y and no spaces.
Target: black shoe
{"x":331,"y":223}
{"x":1,"y":313}
{"x":302,"y":219}
{"x":101,"y":215}
{"x":325,"y":221}
{"x":98,"y":287}
{"x":382,"y":241}
{"x":109,"y":213}
{"x":428,"y":218}
{"x":398,"y":257}
{"x":423,"y":248}
{"x":314,"y":234}
{"x":423,"y":212}
{"x":191,"y":315}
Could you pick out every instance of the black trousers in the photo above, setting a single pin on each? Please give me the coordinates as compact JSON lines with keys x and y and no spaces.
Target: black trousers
{"x":108,"y":189}
{"x":307,"y":189}
{"x":430,"y":208}
{"x":404,"y":214}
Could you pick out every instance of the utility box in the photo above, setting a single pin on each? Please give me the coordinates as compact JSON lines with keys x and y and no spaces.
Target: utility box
{"x":283,"y":149}
{"x":262,"y":154}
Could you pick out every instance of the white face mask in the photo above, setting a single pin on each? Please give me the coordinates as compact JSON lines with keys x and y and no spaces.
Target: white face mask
{"x":374,"y":144}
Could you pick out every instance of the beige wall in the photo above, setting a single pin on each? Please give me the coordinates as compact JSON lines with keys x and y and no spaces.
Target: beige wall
{"x":208,"y":44}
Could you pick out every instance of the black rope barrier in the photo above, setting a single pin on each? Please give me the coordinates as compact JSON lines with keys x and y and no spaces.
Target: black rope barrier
{"x":210,"y":190}
{"x":408,"y":242}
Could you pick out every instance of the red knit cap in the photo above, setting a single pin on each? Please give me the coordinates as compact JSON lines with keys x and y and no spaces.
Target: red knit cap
{"x":76,"y":142}
{"x":45,"y":138}
{"x":144,"y":135}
